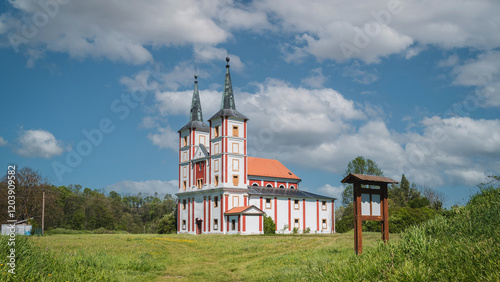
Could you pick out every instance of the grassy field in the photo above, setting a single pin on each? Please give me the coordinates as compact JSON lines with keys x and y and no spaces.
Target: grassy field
{"x":211,"y":257}
{"x":463,"y":244}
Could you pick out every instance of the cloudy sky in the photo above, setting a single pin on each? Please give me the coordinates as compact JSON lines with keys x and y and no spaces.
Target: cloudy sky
{"x":93,"y":92}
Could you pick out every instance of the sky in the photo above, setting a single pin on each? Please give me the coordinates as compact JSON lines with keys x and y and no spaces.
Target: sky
{"x":93,"y":92}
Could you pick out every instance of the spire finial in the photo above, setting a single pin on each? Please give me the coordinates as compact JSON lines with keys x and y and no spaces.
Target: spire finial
{"x":227,"y":61}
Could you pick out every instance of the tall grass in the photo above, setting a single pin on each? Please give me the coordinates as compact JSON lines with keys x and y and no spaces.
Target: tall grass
{"x":463,"y":245}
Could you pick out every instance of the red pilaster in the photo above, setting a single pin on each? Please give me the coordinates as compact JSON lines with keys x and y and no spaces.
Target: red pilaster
{"x":239,"y":223}
{"x":179,"y":215}
{"x":304,"y":212}
{"x":221,"y":223}
{"x":204,"y":213}
{"x":289,"y":215}
{"x":209,"y":209}
{"x":189,"y":214}
{"x":260,"y":218}
{"x":317,"y":215}
{"x":192,"y":221}
{"x":276,"y":213}
{"x":245,"y":198}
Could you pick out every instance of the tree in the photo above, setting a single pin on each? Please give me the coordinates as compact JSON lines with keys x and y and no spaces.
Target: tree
{"x":167,"y":224}
{"x":359,"y":165}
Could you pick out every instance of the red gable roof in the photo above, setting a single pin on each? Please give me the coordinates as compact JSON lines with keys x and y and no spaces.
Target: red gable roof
{"x":242,"y":210}
{"x":269,"y":168}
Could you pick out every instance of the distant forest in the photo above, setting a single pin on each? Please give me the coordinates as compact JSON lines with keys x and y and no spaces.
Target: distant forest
{"x":77,"y":208}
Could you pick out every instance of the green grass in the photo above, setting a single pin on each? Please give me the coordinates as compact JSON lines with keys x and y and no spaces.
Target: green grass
{"x":129,"y":257}
{"x":462,"y":245}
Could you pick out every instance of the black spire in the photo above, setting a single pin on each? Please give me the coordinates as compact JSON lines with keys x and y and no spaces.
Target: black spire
{"x":196,"y":114}
{"x":227,"y":97}
{"x":227,"y":106}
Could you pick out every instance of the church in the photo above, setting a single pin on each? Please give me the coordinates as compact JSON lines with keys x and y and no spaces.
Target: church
{"x":224,"y":191}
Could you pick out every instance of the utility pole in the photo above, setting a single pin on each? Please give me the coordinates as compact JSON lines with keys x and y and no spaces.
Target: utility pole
{"x":43,"y":210}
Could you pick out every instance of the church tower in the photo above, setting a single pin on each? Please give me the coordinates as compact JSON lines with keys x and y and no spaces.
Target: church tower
{"x":193,"y":140}
{"x":228,"y":142}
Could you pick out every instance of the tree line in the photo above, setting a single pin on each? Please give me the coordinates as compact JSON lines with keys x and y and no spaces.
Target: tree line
{"x":409,"y":204}
{"x":77,"y":208}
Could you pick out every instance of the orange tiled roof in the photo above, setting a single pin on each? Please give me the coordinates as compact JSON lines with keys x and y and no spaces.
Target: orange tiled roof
{"x":269,"y":168}
{"x":238,"y":210}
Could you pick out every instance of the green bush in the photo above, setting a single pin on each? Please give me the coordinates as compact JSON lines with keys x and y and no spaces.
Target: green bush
{"x":295,"y":230}
{"x":269,"y":225}
{"x":167,"y":224}
{"x":307,"y":230}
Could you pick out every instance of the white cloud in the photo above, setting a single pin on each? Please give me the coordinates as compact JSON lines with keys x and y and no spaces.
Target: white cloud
{"x":205,"y":53}
{"x":332,"y":191}
{"x":484,"y":74}
{"x":3,"y":142}
{"x":451,"y":61}
{"x":145,"y":187}
{"x":358,"y":75}
{"x":165,"y":137}
{"x":39,"y":144}
{"x":120,"y":31}
{"x":316,"y":79}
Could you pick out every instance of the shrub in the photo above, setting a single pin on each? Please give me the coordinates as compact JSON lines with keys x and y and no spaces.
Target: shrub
{"x":295,"y":230}
{"x":307,"y":230}
{"x":269,"y":225}
{"x":167,"y":224}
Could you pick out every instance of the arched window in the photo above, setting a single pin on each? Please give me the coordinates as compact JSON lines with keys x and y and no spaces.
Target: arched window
{"x":292,"y":187}
{"x":282,"y":186}
{"x":269,"y":185}
{"x":255,"y":184}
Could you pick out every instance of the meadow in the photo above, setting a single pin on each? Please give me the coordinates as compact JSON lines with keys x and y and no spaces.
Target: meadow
{"x":462,"y":244}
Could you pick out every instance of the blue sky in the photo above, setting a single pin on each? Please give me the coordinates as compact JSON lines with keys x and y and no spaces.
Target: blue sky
{"x":93,"y":92}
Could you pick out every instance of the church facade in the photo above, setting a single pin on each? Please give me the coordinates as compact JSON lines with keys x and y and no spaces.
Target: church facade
{"x":224,"y":191}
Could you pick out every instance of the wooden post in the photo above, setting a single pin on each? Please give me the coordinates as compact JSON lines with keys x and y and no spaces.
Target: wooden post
{"x":43,"y":211}
{"x":358,"y":232}
{"x":385,"y":213}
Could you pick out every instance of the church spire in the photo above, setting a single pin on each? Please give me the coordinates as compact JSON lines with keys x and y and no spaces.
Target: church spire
{"x":227,"y":97}
{"x":196,"y":114}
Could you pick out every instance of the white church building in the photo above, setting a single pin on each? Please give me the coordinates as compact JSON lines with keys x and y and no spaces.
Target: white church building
{"x":224,"y":191}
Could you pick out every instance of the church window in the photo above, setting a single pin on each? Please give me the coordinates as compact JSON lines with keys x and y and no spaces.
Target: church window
{"x":184,"y":156}
{"x":216,"y":224}
{"x":184,"y":184}
{"x":236,"y":201}
{"x":184,"y":225}
{"x":216,"y":148}
{"x":185,"y":141}
{"x":323,"y":223}
{"x":235,"y":130}
{"x":216,"y":165}
{"x":292,"y":187}
{"x":199,"y":183}
{"x":255,"y":184}
{"x":236,"y":148}
{"x":184,"y":204}
{"x":216,"y":180}
{"x":216,"y":202}
{"x":202,"y":140}
{"x":269,"y":185}
{"x":323,"y":205}
{"x":216,"y":129}
{"x":233,"y":224}
{"x":236,"y":165}
{"x":282,"y":186}
{"x":296,"y":204}
{"x":236,"y":180}
{"x":296,"y":223}
{"x":268,"y":203}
